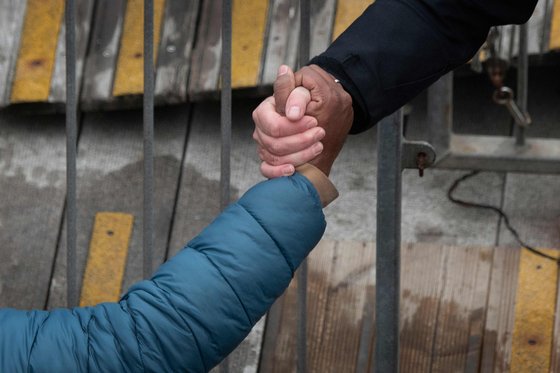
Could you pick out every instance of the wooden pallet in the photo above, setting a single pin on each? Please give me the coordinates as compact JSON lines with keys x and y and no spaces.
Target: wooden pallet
{"x":187,"y":46}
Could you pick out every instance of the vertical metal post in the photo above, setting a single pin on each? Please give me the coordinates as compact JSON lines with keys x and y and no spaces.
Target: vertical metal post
{"x":225,"y":171}
{"x":389,"y":151}
{"x":304,"y":47}
{"x":71,"y":144}
{"x":522,"y":80}
{"x":148,"y":134}
{"x":440,"y":113}
{"x":225,"y":118}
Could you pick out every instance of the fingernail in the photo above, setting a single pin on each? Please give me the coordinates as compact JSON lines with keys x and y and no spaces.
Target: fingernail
{"x":288,"y":171}
{"x":319,"y":134}
{"x":282,"y":70}
{"x":317,"y":148}
{"x":294,"y":112}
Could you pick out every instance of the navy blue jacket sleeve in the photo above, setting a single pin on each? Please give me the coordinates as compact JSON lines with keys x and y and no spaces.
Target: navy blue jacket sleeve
{"x":397,"y":48}
{"x":195,"y":309}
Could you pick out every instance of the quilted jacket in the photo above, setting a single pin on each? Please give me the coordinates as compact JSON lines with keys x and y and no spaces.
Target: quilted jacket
{"x":195,"y":309}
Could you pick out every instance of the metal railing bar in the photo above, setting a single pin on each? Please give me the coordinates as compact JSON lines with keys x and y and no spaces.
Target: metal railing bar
{"x":71,"y":145}
{"x":225,"y":118}
{"x":522,"y":80}
{"x":301,"y":344}
{"x":225,"y":107}
{"x":389,"y":193}
{"x":148,"y":136}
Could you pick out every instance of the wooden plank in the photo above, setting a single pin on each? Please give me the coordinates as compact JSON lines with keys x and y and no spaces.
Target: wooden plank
{"x":36,"y":57}
{"x":107,"y":256}
{"x":83,"y":27}
{"x":31,"y":205}
{"x":496,"y":352}
{"x":110,"y":173}
{"x":534,"y":313}
{"x":346,"y":12}
{"x":175,"y":52}
{"x":340,"y":277}
{"x":421,"y":291}
{"x":104,"y":49}
{"x":248,"y":34}
{"x":11,"y":22}
{"x":129,"y":74}
{"x":322,"y":24}
{"x":442,"y":309}
{"x":339,"y":316}
{"x":555,"y":27}
{"x":283,"y":34}
{"x":207,"y":58}
{"x":555,"y":356}
{"x":460,"y":324}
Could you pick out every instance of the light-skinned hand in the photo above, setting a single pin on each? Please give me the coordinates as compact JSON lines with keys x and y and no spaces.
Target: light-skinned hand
{"x":306,"y":120}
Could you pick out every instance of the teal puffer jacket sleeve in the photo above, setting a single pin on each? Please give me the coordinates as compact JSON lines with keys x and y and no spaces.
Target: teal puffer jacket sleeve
{"x":195,"y":309}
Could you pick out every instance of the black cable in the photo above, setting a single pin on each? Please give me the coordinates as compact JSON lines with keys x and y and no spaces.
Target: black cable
{"x":497,"y":210}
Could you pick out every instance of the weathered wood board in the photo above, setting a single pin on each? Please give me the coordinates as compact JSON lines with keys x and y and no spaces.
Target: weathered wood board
{"x":110,"y":173}
{"x":442,"y":309}
{"x":102,"y":57}
{"x":32,"y":191}
{"x":84,"y":15}
{"x":11,"y":22}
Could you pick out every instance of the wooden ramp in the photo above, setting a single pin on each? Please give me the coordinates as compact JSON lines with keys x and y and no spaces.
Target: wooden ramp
{"x":463,"y":309}
{"x":187,"y":47}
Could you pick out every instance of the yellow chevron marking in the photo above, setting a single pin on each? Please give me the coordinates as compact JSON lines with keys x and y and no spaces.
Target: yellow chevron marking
{"x":107,"y":258}
{"x":534,"y":313}
{"x":37,"y":51}
{"x":129,"y":77}
{"x":555,"y":27}
{"x":248,"y":29}
{"x":346,"y":12}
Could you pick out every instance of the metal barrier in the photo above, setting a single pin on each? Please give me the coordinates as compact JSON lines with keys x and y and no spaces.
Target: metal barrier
{"x":394,"y":154}
{"x":390,"y":165}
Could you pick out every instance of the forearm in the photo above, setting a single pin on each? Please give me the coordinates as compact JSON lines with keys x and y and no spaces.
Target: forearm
{"x":397,"y":48}
{"x":198,"y":306}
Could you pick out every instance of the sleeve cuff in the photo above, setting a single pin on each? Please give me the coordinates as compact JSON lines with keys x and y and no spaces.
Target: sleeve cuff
{"x":325,"y":188}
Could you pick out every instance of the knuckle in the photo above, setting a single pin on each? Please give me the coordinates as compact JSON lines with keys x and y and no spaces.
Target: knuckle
{"x":274,"y":160}
{"x":274,"y":129}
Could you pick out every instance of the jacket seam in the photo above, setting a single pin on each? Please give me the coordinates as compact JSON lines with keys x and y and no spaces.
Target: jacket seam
{"x":89,"y":340}
{"x":230,"y":286}
{"x":136,"y":335}
{"x":282,"y":251}
{"x":35,"y":342}
{"x":165,"y":293}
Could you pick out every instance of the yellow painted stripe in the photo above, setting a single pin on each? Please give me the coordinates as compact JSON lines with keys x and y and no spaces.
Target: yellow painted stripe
{"x":34,"y":68}
{"x":107,"y":258}
{"x":248,"y":29}
{"x":534,"y":313}
{"x":555,"y":27}
{"x":129,"y":77}
{"x":346,"y":12}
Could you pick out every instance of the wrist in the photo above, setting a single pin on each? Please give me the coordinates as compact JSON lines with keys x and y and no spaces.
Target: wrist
{"x":325,"y":188}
